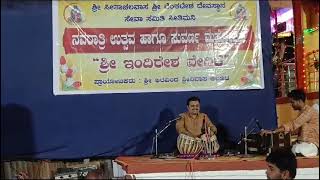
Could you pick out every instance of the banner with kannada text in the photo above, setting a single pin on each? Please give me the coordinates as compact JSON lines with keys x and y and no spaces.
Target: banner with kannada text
{"x":155,"y":46}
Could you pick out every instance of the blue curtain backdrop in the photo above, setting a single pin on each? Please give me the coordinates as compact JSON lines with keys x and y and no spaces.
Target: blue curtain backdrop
{"x":38,"y":125}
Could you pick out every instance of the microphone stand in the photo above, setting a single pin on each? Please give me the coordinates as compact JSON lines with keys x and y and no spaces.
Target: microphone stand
{"x":245,"y":139}
{"x":157,"y":134}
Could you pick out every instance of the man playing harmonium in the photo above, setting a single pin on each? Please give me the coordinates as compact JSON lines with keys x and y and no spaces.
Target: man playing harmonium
{"x":196,"y":131}
{"x":307,"y":123}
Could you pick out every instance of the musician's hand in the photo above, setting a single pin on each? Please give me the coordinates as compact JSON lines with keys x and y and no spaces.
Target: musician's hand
{"x":278,"y":130}
{"x":265,"y":132}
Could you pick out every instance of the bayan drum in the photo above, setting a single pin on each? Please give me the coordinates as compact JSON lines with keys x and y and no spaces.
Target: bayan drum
{"x":212,"y":146}
{"x":188,"y":145}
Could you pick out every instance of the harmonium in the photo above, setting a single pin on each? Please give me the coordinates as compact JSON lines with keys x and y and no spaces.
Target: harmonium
{"x":262,"y":144}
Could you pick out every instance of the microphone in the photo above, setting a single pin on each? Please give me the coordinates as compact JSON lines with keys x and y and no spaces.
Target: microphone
{"x":175,"y":119}
{"x":241,"y":139}
{"x":258,"y":124}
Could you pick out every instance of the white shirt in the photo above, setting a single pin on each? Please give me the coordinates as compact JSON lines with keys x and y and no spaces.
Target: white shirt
{"x":316,"y":107}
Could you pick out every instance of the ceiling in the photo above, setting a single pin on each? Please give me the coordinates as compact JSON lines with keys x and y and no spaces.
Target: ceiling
{"x":277,"y":4}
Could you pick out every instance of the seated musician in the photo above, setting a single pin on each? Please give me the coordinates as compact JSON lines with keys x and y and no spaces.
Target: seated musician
{"x":196,"y":124}
{"x":308,"y":121}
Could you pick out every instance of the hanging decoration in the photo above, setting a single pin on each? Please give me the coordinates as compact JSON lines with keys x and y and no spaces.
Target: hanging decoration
{"x":314,"y":61}
{"x":310,"y":30}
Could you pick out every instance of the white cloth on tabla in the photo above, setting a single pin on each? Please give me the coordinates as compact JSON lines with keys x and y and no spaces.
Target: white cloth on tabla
{"x":306,"y":149}
{"x":316,"y":107}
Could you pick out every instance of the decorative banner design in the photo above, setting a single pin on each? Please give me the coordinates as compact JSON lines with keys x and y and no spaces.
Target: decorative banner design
{"x":146,"y":46}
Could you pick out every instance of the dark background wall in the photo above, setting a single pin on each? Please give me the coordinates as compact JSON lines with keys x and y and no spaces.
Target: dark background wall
{"x":36,"y":124}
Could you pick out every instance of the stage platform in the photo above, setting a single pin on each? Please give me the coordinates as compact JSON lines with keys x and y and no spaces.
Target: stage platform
{"x":219,"y":167}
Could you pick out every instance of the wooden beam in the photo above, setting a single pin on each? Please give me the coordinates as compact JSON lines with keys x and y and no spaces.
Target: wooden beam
{"x":298,"y":33}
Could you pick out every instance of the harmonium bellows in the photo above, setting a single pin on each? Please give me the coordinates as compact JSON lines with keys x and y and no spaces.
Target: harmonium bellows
{"x":262,"y":144}
{"x":280,"y":140}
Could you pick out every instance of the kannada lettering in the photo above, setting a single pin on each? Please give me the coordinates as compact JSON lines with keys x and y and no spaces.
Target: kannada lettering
{"x":156,"y":7}
{"x":87,"y":39}
{"x":127,"y":7}
{"x":151,"y":63}
{"x":101,"y":82}
{"x":105,"y":64}
{"x":184,"y":38}
{"x":179,"y":6}
{"x":166,"y":80}
{"x":150,"y":39}
{"x":123,"y":39}
{"x":155,"y":18}
{"x":219,"y":60}
{"x":202,"y":5}
{"x":193,"y":79}
{"x":154,"y":38}
{"x":182,"y":17}
{"x":133,"y":19}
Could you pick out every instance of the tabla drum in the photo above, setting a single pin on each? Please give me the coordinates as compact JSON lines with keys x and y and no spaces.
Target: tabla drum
{"x":212,"y":146}
{"x":188,"y":145}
